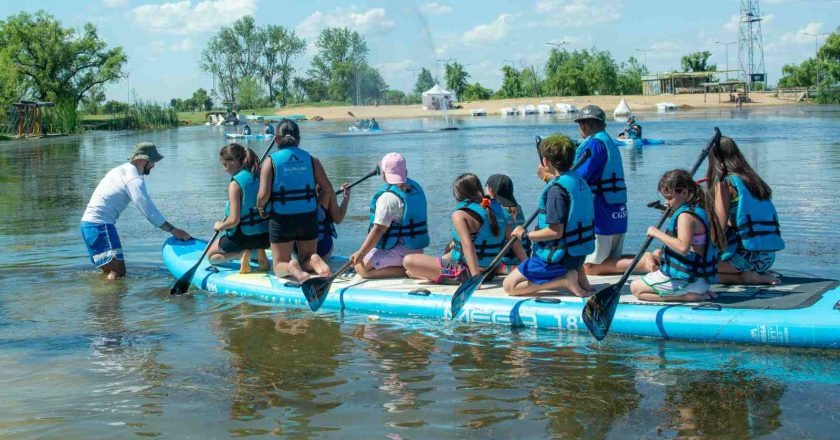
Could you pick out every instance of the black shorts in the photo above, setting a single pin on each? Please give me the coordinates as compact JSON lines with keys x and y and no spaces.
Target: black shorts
{"x":293,"y":227}
{"x":239,"y":242}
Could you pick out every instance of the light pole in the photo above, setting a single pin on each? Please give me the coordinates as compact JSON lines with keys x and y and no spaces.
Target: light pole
{"x":558,"y":45}
{"x":645,"y":51}
{"x":816,"y":59}
{"x":726,"y":45}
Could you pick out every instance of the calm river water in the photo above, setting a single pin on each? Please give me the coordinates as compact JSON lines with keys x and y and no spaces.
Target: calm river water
{"x":85,"y":358}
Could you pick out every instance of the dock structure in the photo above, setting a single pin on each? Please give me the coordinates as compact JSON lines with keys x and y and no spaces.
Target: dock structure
{"x":738,"y":90}
{"x":675,"y":83}
{"x":27,"y":118}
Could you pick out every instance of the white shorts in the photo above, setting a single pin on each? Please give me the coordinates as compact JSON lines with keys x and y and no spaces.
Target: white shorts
{"x":607,"y":247}
{"x":665,"y":286}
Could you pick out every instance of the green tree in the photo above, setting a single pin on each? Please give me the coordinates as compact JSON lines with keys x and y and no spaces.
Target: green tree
{"x":93,"y":99}
{"x":201,"y":99}
{"x":113,"y":107}
{"x":475,"y":92}
{"x":601,"y":73}
{"x":511,"y":83}
{"x":630,"y":76}
{"x":564,"y":72}
{"x":342,"y":53}
{"x":696,"y":62}
{"x":456,"y":78}
{"x":250,"y":93}
{"x":424,"y":82}
{"x":394,"y":97}
{"x":217,"y":59}
{"x":282,"y":46}
{"x":530,"y":82}
{"x":58,"y":64}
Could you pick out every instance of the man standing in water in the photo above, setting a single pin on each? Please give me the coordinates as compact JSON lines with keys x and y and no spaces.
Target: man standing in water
{"x":120,"y":186}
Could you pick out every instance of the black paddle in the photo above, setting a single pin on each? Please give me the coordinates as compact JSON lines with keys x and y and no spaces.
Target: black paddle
{"x":183,"y":283}
{"x":315,"y":289}
{"x":600,"y":308}
{"x":468,"y":287}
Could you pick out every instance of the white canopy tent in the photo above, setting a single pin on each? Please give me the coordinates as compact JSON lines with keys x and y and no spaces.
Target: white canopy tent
{"x":437,"y":97}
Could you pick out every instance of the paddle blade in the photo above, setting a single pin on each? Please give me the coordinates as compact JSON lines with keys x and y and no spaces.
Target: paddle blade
{"x":599,"y":311}
{"x":183,"y":283}
{"x":315,"y":290}
{"x":464,"y":292}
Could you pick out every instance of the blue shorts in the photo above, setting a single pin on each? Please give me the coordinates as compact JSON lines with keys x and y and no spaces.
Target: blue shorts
{"x":539,"y":271}
{"x":102,"y":242}
{"x":752,"y":261}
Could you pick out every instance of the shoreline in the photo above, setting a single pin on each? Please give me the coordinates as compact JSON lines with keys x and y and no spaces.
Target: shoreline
{"x":637,"y":103}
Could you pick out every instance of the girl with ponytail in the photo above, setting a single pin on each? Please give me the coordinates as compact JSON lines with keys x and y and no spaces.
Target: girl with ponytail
{"x":688,"y":261}
{"x":742,"y":203}
{"x":479,"y":231}
{"x":244,"y":228}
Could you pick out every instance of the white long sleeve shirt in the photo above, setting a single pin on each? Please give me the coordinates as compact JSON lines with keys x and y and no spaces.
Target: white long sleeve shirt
{"x":120,"y":186}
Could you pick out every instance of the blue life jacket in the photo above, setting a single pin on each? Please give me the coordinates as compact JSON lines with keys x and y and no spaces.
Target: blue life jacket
{"x":293,"y":189}
{"x":412,"y":229}
{"x":510,"y":258}
{"x":250,"y":222}
{"x":246,"y":130}
{"x":579,"y":228}
{"x":269,"y":129}
{"x":692,"y":266}
{"x":487,"y":245}
{"x":611,"y":183}
{"x":756,"y":222}
{"x":326,"y":227}
{"x":374,"y":125}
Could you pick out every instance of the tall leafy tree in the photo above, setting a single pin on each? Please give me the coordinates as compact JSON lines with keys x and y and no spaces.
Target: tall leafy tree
{"x":424,"y":82}
{"x":456,"y":78}
{"x":564,"y":72}
{"x":282,"y":46}
{"x":58,"y":64}
{"x":511,"y":83}
{"x":630,"y":76}
{"x":250,"y":93}
{"x":697,"y":62}
{"x":341,"y":54}
{"x":218,"y":59}
{"x":601,"y":73}
{"x":475,"y":92}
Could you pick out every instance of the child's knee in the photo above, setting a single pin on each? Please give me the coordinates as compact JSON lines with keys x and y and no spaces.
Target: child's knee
{"x":637,"y":288}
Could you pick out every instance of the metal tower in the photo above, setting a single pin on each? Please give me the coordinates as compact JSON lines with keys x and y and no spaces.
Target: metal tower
{"x":750,"y":44}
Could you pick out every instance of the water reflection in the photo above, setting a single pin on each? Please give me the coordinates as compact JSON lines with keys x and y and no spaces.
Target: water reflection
{"x":280,"y":361}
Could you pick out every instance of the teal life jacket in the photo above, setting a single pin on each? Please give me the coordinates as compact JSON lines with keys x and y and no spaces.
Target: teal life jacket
{"x":611,"y":183}
{"x":412,"y":229}
{"x":250,"y":222}
{"x":487,"y":245}
{"x":247,"y":130}
{"x":756,"y":223}
{"x":579,"y":228}
{"x":692,"y":266}
{"x":510,"y":258}
{"x":293,"y":189}
{"x":326,"y":227}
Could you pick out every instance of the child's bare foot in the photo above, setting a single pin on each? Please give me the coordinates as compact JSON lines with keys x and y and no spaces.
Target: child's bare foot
{"x":760,"y":278}
{"x":574,"y":286}
{"x":297,"y":272}
{"x":262,"y":260}
{"x":245,"y":261}
{"x":320,"y":266}
{"x":584,"y":281}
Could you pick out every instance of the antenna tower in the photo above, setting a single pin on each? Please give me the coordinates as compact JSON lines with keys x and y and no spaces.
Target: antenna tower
{"x":750,"y":44}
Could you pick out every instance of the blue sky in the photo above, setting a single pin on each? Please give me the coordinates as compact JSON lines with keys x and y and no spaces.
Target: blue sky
{"x":164,"y":39}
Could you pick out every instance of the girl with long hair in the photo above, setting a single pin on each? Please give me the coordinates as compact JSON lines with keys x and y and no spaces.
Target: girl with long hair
{"x":244,"y":229}
{"x":688,"y":261}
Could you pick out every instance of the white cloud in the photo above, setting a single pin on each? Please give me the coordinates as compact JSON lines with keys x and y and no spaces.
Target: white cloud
{"x":486,"y":33}
{"x":579,"y":13}
{"x":443,"y":49}
{"x":372,"y":21}
{"x":801,"y":36}
{"x":114,"y":3}
{"x":182,"y":18}
{"x":435,"y":8}
{"x":184,"y":45}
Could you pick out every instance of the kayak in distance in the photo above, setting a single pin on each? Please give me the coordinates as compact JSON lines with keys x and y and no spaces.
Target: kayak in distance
{"x":799,"y":312}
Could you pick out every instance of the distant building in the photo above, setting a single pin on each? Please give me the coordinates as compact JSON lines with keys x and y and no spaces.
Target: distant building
{"x":675,"y":83}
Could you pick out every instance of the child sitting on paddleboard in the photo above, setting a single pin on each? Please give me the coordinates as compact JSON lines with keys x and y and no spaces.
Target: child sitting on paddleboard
{"x":397,"y":223}
{"x":243,"y":227}
{"x":688,"y":261}
{"x":743,"y":204}
{"x":330,"y":213}
{"x":565,"y":232}
{"x":500,"y":190}
{"x":479,"y":231}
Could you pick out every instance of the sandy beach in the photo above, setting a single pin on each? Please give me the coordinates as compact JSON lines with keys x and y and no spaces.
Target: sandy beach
{"x":608,"y":103}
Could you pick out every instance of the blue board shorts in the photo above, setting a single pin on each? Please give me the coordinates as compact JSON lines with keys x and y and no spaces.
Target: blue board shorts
{"x":752,"y":261}
{"x":102,"y":242}
{"x":539,"y":271}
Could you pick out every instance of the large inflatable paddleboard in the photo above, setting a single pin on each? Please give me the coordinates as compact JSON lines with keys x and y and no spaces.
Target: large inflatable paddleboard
{"x":255,"y":136}
{"x":637,"y":142}
{"x":802,"y":312}
{"x":355,"y":129}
